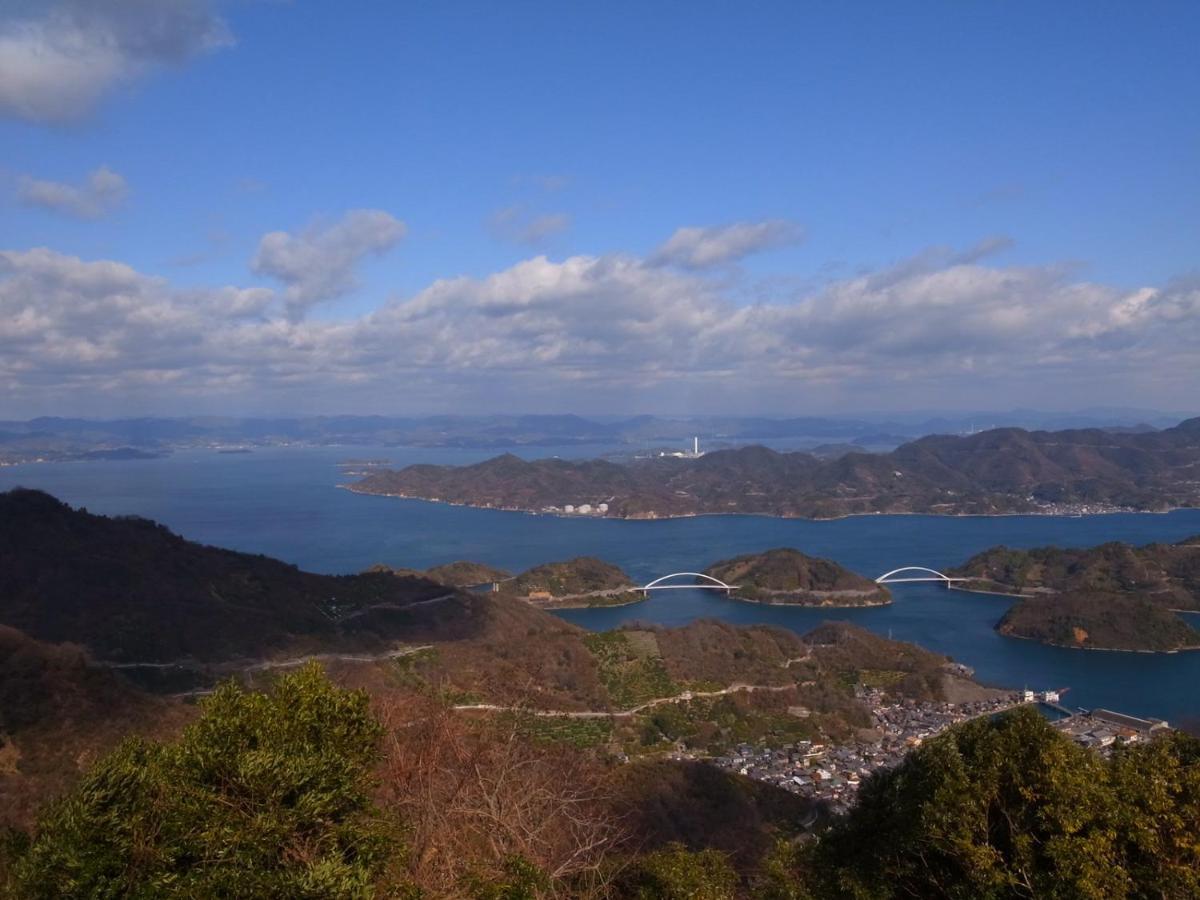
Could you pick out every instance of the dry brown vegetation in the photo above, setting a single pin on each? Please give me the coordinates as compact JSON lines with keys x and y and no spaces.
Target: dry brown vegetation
{"x":709,"y":650}
{"x":785,"y":575}
{"x":58,"y":714}
{"x":475,"y":794}
{"x":701,"y":806}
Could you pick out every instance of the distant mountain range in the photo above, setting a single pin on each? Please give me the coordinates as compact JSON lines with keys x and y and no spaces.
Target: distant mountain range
{"x":1006,"y":470}
{"x":74,"y":438}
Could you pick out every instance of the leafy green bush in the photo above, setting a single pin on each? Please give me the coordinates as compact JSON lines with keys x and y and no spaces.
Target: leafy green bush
{"x":522,"y":880}
{"x":676,"y":873}
{"x":1011,"y":808}
{"x":266,"y":795}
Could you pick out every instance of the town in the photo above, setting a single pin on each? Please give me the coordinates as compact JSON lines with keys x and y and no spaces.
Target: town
{"x":832,"y":774}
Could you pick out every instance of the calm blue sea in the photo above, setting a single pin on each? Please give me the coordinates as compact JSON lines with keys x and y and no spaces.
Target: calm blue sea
{"x":286,"y":502}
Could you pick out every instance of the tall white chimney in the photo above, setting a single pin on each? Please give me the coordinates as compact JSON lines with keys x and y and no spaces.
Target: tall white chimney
{"x":695,"y":446}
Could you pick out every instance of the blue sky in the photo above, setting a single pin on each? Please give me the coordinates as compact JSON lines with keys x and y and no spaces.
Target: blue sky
{"x":1021,"y":180}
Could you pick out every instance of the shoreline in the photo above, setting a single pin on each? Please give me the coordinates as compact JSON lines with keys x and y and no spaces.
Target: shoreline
{"x":550,"y":606}
{"x":870,"y":605}
{"x":1023,"y":637}
{"x":954,"y":587}
{"x":354,"y":489}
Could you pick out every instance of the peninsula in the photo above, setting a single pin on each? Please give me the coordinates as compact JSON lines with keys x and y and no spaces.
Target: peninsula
{"x":785,"y":576}
{"x":1002,"y":471}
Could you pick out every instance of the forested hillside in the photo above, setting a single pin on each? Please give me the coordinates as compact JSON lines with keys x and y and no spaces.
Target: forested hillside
{"x":1004,"y":470}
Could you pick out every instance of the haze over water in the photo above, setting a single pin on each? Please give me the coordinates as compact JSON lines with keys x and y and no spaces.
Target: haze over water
{"x":285,"y":502}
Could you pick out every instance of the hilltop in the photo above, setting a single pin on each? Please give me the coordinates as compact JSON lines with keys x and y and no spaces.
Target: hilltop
{"x":458,"y":574}
{"x":581,"y":575}
{"x":129,"y":590}
{"x":466,"y":574}
{"x":1005,"y":470}
{"x":580,"y":582}
{"x":787,"y":576}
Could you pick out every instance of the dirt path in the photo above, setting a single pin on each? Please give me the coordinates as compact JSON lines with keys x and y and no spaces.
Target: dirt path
{"x":787,"y":663}
{"x":626,"y":713}
{"x":396,"y":606}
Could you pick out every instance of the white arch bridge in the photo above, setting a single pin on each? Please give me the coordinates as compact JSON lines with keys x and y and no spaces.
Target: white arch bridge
{"x":902,"y":576}
{"x":711,"y":584}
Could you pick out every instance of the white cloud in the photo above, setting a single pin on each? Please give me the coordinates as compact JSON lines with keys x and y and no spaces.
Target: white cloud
{"x":102,"y":192}
{"x":601,"y":333}
{"x":59,"y":59}
{"x":519,"y":225}
{"x":318,"y":263}
{"x":702,"y":248}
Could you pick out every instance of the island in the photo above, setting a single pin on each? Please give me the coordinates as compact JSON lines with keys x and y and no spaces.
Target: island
{"x":1002,"y":471}
{"x":785,"y":576}
{"x":574,"y":583}
{"x":1166,"y":574}
{"x":1099,"y":621}
{"x":1115,"y":596}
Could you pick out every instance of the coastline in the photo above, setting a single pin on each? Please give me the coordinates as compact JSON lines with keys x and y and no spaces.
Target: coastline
{"x":354,"y":489}
{"x":553,"y":606}
{"x":799,"y":605}
{"x":581,"y":603}
{"x":1024,"y":637}
{"x":954,"y":587}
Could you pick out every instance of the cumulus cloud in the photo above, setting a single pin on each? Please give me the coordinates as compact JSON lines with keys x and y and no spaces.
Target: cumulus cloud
{"x":519,"y":225}
{"x":319,"y":263}
{"x":72,"y":325}
{"x":702,"y":248}
{"x":593,"y":332}
{"x":59,"y":59}
{"x":101,"y":193}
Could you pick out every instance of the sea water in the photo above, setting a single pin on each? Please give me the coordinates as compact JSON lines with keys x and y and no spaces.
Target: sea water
{"x":286,"y":502}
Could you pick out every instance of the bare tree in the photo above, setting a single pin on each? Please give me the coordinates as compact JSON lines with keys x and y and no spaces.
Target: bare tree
{"x":476,"y":793}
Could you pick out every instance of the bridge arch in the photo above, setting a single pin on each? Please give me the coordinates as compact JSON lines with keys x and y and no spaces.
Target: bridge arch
{"x":715,"y":582}
{"x":930,"y":575}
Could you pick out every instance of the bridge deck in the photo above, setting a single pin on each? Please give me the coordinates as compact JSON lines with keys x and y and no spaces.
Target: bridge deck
{"x":688,"y":587}
{"x":907,"y":580}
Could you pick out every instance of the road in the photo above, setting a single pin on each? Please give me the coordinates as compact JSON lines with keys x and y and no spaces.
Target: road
{"x":259,"y":665}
